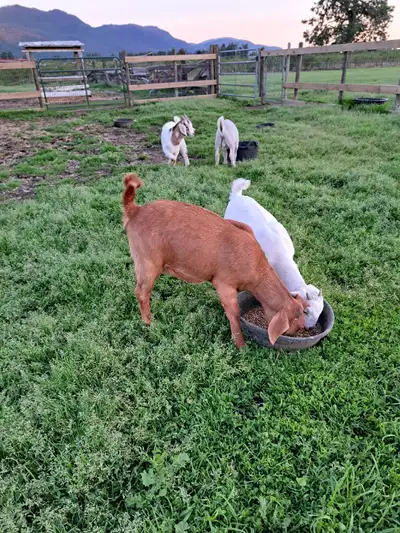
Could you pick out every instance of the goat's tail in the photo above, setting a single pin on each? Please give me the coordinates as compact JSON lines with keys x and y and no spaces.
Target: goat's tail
{"x":220,"y":124}
{"x":240,"y":185}
{"x":132,"y":182}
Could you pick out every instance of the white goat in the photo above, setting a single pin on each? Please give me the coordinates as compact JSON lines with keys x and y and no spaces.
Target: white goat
{"x":172,"y":139}
{"x":227,"y":138}
{"x":276,"y":244}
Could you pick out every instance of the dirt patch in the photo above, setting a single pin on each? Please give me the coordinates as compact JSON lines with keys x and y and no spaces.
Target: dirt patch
{"x":22,"y":139}
{"x":256,"y":316}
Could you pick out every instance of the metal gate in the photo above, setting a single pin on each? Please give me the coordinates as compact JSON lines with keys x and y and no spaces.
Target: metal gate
{"x":274,"y":72}
{"x":238,"y":73}
{"x":82,"y":82}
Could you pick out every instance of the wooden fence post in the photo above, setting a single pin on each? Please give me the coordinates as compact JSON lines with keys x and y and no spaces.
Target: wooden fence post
{"x":299,"y":61}
{"x":286,"y":71}
{"x":261,"y":75}
{"x":127,"y":78}
{"x":344,"y":71}
{"x":36,"y":80}
{"x":214,"y":72}
{"x":397,"y":102}
{"x":176,"y":77}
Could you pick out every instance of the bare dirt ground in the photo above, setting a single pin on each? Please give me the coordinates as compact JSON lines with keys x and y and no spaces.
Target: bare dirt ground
{"x":20,"y":140}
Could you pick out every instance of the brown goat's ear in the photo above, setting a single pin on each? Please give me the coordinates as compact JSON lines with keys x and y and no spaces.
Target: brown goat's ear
{"x":278,"y":325}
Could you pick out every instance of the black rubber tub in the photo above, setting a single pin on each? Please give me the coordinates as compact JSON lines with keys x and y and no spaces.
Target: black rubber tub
{"x":370,"y":101}
{"x":289,"y":344}
{"x":247,"y":150}
{"x":123,"y":122}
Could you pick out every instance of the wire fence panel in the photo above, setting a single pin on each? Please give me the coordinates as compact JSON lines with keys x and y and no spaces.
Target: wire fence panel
{"x":82,"y":81}
{"x":18,"y":82}
{"x":238,"y":73}
{"x":274,"y":72}
{"x":369,"y":68}
{"x":146,"y":79}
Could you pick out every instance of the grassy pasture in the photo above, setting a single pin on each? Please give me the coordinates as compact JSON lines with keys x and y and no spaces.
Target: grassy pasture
{"x":109,"y":426}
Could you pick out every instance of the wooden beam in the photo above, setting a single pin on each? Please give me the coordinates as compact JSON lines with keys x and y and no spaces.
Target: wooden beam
{"x":74,"y":49}
{"x":174,"y":98}
{"x":343,"y":76}
{"x":349,"y":87}
{"x":163,"y":59}
{"x":299,"y":62}
{"x":286,"y":72}
{"x":15,"y":65}
{"x":351,"y":47}
{"x":20,"y":96}
{"x":171,"y":85}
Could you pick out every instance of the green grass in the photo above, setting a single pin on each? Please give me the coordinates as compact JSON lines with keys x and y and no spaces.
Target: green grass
{"x":25,"y":87}
{"x":109,"y":426}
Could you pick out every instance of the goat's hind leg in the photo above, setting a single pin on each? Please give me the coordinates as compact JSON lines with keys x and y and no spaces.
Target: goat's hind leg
{"x":146,"y":275}
{"x":228,"y":297}
{"x":226,"y":154}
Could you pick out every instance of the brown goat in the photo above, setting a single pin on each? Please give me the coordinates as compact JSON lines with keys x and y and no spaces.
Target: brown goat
{"x":197,"y":245}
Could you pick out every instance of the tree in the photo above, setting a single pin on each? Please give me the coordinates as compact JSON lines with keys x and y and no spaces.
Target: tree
{"x":6,"y":55}
{"x":347,"y":21}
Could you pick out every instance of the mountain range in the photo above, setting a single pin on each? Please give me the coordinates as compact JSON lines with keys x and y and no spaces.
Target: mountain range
{"x":19,"y":23}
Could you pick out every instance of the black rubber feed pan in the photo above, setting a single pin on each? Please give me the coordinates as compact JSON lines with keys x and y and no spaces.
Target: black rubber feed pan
{"x":123,"y":122}
{"x":265,"y":125}
{"x":370,"y":101}
{"x":247,"y":150}
{"x":288,"y":344}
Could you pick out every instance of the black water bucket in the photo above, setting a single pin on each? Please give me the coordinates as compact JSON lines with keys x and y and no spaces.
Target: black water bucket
{"x":370,"y":101}
{"x":247,"y":150}
{"x":122,"y":122}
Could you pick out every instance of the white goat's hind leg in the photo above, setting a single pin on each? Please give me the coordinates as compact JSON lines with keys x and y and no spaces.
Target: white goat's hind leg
{"x":184,"y":153}
{"x":232,"y":157}
{"x":216,"y":156}
{"x":226,"y":153}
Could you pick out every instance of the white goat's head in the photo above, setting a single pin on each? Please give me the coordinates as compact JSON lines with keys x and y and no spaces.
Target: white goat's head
{"x":314,"y":298}
{"x":185,"y":126}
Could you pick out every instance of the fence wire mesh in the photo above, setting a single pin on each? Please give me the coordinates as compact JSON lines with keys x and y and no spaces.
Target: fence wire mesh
{"x":86,"y":81}
{"x":238,"y":73}
{"x":377,"y":67}
{"x":169,"y":72}
{"x":16,"y":81}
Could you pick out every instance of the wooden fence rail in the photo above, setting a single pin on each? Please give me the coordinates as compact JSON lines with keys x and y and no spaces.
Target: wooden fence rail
{"x":335,"y":48}
{"x":349,"y":87}
{"x":211,"y":83}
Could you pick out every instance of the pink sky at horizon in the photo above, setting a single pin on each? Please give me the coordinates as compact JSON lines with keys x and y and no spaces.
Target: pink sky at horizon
{"x":265,"y":22}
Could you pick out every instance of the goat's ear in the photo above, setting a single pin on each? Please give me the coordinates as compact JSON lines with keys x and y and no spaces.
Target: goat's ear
{"x":182,"y":128}
{"x":278,"y":325}
{"x":177,"y":119}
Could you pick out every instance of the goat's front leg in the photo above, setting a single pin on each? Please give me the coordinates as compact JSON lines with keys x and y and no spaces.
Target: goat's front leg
{"x":228,"y":297}
{"x":146,"y":275}
{"x":184,"y":153}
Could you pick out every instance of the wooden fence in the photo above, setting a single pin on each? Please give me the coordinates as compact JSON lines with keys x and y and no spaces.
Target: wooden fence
{"x":209,"y":72}
{"x":341,"y":86}
{"x":23,"y":95}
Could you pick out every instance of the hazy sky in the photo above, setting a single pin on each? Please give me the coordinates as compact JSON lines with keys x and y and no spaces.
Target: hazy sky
{"x":269,"y":22}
